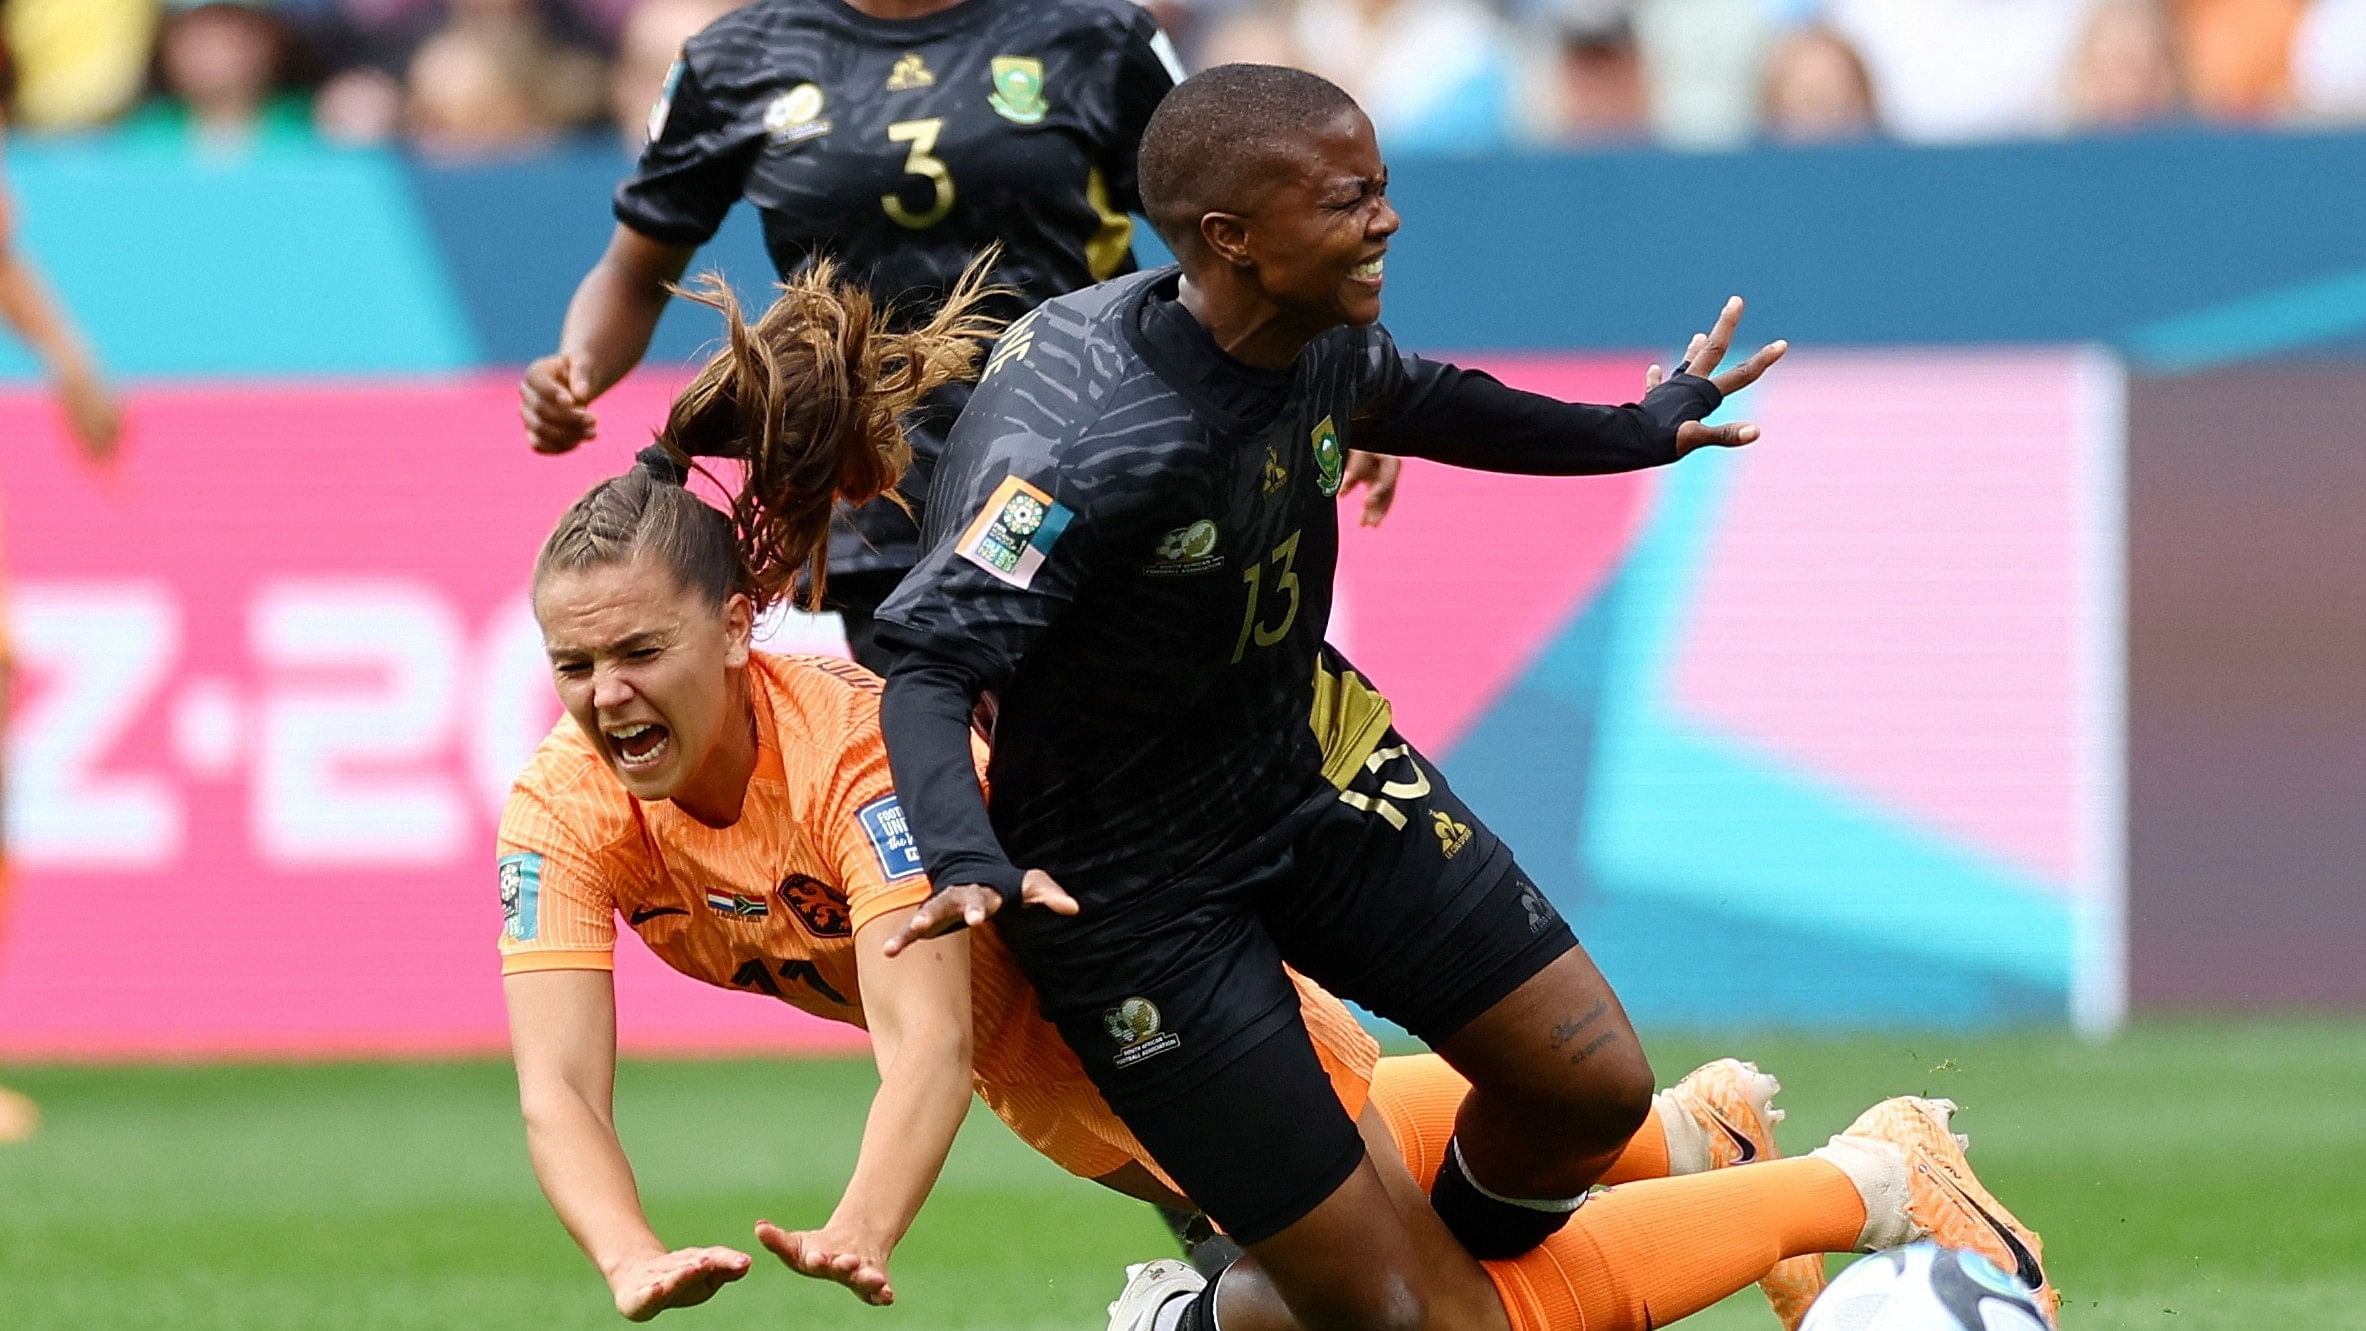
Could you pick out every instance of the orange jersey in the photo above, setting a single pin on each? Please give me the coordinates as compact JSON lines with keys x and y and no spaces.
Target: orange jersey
{"x":771,"y":904}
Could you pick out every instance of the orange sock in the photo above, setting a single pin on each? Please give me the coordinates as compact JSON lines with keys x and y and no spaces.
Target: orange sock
{"x":1419,"y":1095}
{"x":1646,"y":1254}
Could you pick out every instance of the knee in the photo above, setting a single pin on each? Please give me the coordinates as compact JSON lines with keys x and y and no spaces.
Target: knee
{"x":1609,"y":1108}
{"x":1594,"y":1114}
{"x":1390,"y":1303}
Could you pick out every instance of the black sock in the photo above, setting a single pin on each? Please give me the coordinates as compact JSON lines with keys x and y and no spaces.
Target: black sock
{"x":1492,"y":1228}
{"x":1209,"y":1251}
{"x":1201,"y":1314}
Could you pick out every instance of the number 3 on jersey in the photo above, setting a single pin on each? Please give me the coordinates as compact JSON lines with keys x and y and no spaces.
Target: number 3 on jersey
{"x":921,"y":161}
{"x":1285,"y":584}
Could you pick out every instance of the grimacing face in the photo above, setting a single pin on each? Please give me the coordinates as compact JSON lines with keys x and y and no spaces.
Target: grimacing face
{"x":643,"y":666}
{"x":1319,"y":234}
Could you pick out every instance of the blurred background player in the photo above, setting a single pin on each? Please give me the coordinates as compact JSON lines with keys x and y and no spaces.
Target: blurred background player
{"x":95,"y":419}
{"x":734,"y":807}
{"x":1013,"y":122}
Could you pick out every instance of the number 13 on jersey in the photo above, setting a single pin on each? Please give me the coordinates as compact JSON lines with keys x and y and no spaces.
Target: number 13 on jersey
{"x":1285,"y":585}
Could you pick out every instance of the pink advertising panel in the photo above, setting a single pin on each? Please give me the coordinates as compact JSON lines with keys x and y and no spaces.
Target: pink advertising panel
{"x":276,"y":668}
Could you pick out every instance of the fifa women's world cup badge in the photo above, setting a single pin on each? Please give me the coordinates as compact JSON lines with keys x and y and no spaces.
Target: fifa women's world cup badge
{"x":1018,"y":89}
{"x":1134,"y":1024}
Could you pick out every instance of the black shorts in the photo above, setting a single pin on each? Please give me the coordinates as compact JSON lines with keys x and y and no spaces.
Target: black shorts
{"x":1391,"y":893}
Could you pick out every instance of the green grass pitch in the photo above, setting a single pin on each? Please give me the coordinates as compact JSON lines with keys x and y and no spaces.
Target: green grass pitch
{"x":2184,"y":1176}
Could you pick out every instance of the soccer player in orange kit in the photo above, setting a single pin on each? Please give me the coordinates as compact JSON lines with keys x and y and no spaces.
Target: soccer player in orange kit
{"x":734,"y":807}
{"x":96,"y":420}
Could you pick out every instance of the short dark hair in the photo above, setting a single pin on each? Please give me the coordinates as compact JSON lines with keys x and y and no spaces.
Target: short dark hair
{"x":1213,"y":140}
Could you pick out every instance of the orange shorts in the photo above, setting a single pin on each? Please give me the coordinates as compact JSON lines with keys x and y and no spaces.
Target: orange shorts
{"x":1069,"y":1124}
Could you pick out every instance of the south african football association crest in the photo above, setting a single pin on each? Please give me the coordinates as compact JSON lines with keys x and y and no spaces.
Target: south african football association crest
{"x":1330,"y":460}
{"x":1018,"y":89}
{"x":796,"y":116}
{"x":1135,"y":1025}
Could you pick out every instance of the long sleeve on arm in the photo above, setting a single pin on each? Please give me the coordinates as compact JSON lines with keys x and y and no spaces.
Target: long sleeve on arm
{"x":925,"y":717}
{"x":1428,"y":409}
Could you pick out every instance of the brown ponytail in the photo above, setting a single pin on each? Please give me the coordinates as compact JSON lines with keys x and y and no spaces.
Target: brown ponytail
{"x":810,"y":399}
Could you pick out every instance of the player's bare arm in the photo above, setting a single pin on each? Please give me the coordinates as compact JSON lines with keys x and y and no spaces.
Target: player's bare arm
{"x":916,"y":1003}
{"x":607,"y":331}
{"x":562,"y":1027}
{"x":30,"y":311}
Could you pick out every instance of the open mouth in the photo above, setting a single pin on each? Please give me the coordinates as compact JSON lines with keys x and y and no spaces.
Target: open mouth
{"x":640,"y":746}
{"x":1370,"y":269}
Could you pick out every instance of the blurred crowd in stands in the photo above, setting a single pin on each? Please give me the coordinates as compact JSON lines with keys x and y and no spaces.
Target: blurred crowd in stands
{"x":473,"y":79}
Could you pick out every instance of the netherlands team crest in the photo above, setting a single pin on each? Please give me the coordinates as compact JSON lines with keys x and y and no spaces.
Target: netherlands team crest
{"x":1330,"y":460}
{"x":817,"y":905}
{"x":1018,"y":89}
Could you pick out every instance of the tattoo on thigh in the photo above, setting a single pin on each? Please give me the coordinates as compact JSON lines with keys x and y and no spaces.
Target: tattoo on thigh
{"x":1592,"y":1045}
{"x":1570,"y":1030}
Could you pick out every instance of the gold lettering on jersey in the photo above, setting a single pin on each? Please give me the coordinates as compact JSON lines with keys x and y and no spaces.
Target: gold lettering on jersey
{"x":1018,"y":89}
{"x":910,"y":72}
{"x":796,"y":116}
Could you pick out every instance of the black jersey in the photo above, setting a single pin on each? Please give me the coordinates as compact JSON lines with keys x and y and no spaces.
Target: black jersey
{"x":1131,"y":541}
{"x":904,"y":147}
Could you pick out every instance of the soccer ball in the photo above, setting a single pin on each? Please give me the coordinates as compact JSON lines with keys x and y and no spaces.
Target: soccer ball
{"x":1925,"y":1287}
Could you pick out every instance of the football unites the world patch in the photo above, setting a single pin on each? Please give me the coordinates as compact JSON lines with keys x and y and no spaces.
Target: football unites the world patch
{"x":521,"y":896}
{"x":1015,"y":532}
{"x":891,"y":837}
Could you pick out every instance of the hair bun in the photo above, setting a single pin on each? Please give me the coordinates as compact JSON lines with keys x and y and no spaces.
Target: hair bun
{"x":663,"y":465}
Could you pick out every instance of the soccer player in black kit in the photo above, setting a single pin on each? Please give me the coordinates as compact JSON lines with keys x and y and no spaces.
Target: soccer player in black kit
{"x":1129,"y":551}
{"x":901,"y":138}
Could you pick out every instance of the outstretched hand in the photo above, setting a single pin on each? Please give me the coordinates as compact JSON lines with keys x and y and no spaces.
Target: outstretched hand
{"x":683,"y":1278}
{"x":554,"y":402}
{"x":824,"y":1255}
{"x":1702,"y":356}
{"x":1378,"y":473}
{"x":972,"y":904}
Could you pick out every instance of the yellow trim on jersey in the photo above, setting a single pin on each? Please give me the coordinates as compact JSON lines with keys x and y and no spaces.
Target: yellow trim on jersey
{"x":1105,"y":251}
{"x":519,"y":963}
{"x":1349,"y":717}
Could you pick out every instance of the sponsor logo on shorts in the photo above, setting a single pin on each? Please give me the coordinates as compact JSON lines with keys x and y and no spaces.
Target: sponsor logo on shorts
{"x":1185,"y":551}
{"x":737,"y":905}
{"x":891,"y":837}
{"x":1015,"y":532}
{"x":1136,"y":1025}
{"x":1540,"y":911}
{"x":820,"y":906}
{"x":1452,"y":836}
